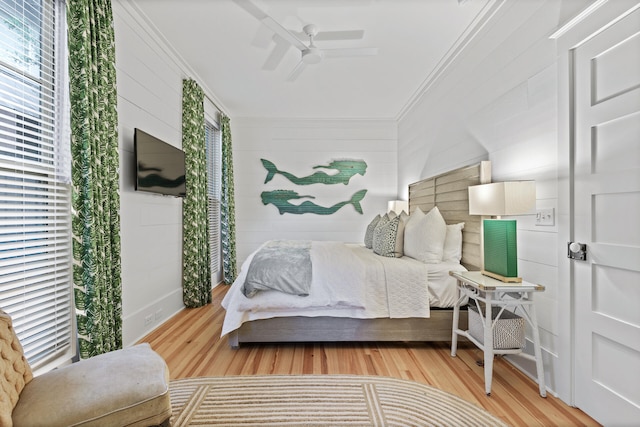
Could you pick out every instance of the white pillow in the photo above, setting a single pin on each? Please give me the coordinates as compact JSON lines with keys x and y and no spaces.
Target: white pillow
{"x":412,"y":242}
{"x":452,"y":251}
{"x":424,"y":236}
{"x":388,"y":238}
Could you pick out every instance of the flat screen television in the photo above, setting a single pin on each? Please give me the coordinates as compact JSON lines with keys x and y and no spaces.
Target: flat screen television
{"x":160,"y":166}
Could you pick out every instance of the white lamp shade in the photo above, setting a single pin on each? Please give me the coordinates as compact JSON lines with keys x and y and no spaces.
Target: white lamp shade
{"x":398,"y":206}
{"x":503,"y":198}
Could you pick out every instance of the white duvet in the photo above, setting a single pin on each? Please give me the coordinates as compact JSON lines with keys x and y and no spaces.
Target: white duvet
{"x":348,"y":281}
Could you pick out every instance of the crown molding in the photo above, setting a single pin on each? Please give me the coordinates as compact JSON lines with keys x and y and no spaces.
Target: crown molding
{"x":577,"y":19}
{"x":143,"y":22}
{"x":471,"y":32}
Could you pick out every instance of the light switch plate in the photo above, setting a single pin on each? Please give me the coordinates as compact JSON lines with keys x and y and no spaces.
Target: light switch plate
{"x":545,"y":216}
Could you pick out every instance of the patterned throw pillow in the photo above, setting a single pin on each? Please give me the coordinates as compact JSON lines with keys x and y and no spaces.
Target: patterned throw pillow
{"x":368,"y":236}
{"x":388,"y":238}
{"x":384,"y":219}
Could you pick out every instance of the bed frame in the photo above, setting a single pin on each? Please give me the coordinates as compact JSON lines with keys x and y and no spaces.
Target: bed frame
{"x":449,"y":192}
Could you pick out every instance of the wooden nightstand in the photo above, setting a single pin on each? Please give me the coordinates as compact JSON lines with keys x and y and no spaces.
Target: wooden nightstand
{"x":494,"y":293}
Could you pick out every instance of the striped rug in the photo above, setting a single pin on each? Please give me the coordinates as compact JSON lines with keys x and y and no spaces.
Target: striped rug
{"x":318,"y":400}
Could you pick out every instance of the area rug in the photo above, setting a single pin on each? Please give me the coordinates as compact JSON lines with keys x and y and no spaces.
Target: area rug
{"x":318,"y":400}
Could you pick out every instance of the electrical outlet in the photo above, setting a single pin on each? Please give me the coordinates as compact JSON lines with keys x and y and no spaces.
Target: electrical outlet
{"x":545,"y":216}
{"x":148,"y":320}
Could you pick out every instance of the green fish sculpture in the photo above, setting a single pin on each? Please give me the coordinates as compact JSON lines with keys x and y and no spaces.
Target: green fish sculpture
{"x":346,"y":169}
{"x":280,"y":199}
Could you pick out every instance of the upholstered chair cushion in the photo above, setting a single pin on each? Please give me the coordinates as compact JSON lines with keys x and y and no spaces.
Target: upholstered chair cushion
{"x":124,"y":387}
{"x":15,"y":371}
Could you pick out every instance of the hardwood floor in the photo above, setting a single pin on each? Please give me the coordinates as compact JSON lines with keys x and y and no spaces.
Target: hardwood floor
{"x":191,"y":345}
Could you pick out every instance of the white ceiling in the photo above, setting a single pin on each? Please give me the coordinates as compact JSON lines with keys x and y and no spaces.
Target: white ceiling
{"x":226,"y":48}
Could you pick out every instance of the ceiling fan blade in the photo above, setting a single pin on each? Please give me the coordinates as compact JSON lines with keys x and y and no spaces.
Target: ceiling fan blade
{"x":333,"y":35}
{"x":276,"y":55}
{"x":293,"y":75}
{"x":254,"y":10}
{"x":270,"y":23}
{"x":347,"y":52}
{"x":274,"y":26}
{"x":262,"y":38}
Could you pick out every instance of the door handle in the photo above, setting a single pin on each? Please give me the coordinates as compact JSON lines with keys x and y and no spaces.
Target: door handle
{"x":577,"y":251}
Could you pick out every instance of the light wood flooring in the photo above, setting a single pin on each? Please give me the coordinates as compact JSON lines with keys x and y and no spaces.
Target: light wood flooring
{"x":191,"y":345}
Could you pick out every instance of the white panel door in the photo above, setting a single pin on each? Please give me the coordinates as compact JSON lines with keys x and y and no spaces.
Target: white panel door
{"x":607,"y":218}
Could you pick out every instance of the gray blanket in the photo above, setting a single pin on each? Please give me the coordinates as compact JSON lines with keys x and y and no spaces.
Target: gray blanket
{"x":281,"y":265}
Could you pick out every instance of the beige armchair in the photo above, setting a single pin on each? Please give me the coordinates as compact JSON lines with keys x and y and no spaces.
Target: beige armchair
{"x":128,"y":387}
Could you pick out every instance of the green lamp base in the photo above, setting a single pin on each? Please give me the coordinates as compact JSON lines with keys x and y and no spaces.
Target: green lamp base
{"x":501,"y":277}
{"x":500,"y":250}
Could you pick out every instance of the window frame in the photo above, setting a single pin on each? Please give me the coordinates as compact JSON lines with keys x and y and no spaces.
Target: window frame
{"x":35,"y":161}
{"x":213,"y":143}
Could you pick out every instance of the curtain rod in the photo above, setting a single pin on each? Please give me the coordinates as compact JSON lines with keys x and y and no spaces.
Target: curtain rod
{"x":215,"y":104}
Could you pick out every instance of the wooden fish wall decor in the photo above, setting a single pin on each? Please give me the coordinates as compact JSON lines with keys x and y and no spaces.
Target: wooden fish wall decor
{"x":281,"y":199}
{"x":346,"y":169}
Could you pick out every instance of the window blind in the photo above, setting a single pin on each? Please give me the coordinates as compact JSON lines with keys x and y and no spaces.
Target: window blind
{"x":213,"y":140}
{"x":35,"y":226}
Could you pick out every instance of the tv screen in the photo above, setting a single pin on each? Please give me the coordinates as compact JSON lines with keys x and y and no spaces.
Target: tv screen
{"x":159,"y":166}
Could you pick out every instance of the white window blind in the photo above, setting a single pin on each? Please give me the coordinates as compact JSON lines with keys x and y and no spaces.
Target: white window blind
{"x":213,"y":140}
{"x":35,"y":226}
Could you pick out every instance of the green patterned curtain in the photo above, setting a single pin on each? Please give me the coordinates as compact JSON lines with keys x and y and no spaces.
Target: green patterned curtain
{"x":95,"y":176}
{"x":196,"y":272}
{"x":228,"y":207}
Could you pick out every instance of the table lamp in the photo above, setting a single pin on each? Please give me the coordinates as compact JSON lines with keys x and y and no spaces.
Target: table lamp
{"x":499,"y":235}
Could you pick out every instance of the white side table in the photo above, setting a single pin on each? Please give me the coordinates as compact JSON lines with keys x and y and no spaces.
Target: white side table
{"x":494,"y":293}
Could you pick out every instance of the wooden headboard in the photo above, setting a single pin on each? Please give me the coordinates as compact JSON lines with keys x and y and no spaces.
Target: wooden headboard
{"x":449,"y":192}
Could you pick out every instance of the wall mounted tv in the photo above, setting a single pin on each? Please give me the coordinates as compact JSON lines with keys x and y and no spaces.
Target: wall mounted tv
{"x":159,"y":166}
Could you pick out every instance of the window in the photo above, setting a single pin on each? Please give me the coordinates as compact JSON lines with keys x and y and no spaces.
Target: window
{"x":35,"y":221}
{"x":213,"y":141}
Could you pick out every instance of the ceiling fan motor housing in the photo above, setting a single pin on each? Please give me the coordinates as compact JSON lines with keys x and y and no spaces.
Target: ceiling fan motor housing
{"x":310,"y":30}
{"x":312,"y":55}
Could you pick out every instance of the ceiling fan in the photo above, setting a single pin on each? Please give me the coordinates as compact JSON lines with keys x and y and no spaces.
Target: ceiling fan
{"x":309,"y":53}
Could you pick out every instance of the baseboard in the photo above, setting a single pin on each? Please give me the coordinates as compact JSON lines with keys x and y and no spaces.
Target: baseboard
{"x":528,"y":367}
{"x":137,"y":325}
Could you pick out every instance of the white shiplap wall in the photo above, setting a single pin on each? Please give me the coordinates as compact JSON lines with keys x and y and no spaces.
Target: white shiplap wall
{"x":149,"y":98}
{"x":296,"y":146}
{"x":149,"y":89}
{"x":498,"y":101}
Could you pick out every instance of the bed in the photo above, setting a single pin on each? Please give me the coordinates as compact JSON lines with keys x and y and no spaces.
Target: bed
{"x":348,"y":321}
